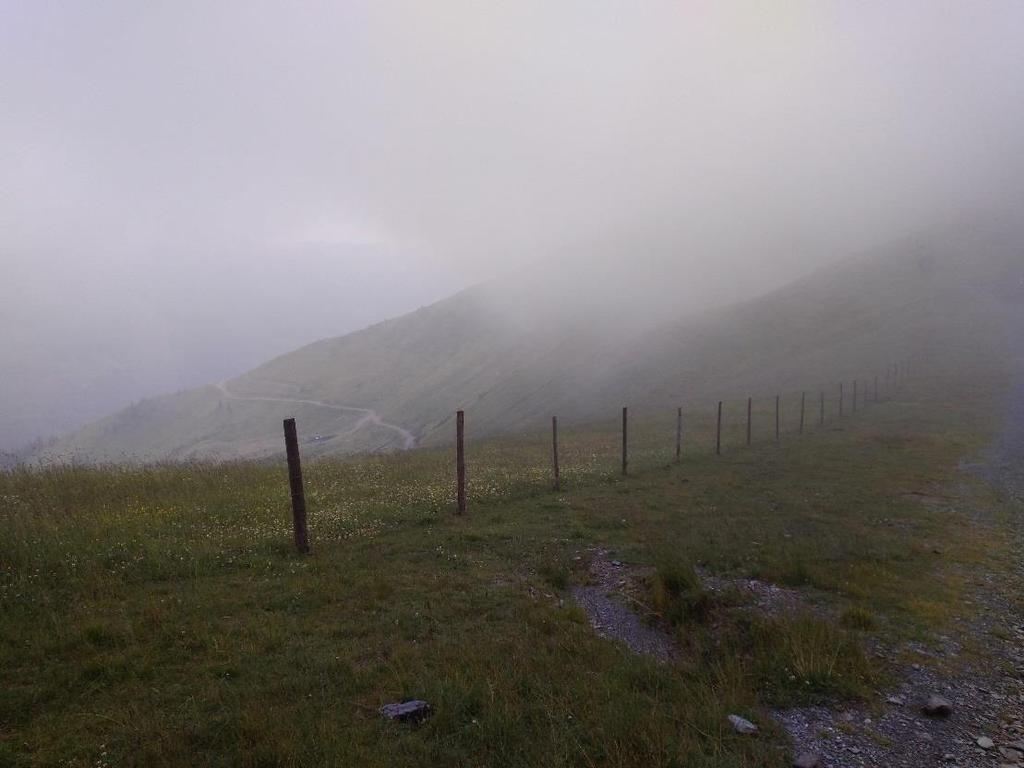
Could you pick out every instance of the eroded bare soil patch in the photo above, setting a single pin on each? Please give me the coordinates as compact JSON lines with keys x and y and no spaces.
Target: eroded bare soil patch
{"x":613,"y":606}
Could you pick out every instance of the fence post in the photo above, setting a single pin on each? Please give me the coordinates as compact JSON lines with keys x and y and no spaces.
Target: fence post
{"x":679,"y":434}
{"x":777,"y":399}
{"x":624,"y":442}
{"x":460,"y":461}
{"x":840,"y":399}
{"x":803,"y":404}
{"x":291,"y":446}
{"x":822,"y":420}
{"x":718,"y":432}
{"x":854,"y":395}
{"x":876,"y":389}
{"x":750,"y":403}
{"x":554,"y":450}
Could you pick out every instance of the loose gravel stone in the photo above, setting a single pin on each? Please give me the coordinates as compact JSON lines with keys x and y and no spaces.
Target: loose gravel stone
{"x":936,"y":706}
{"x":741,"y":725}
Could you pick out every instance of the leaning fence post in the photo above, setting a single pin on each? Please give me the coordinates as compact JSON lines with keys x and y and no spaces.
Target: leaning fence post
{"x":554,"y":450}
{"x":624,"y":422}
{"x":718,"y":432}
{"x":460,"y":461}
{"x":679,"y":434}
{"x":291,"y":446}
{"x":803,"y":404}
{"x":750,"y":406}
{"x":777,"y":398}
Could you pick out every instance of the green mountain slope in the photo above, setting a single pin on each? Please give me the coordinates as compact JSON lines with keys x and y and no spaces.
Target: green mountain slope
{"x":513,"y":357}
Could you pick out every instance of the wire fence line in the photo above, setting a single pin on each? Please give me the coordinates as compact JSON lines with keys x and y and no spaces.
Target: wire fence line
{"x":733,"y":424}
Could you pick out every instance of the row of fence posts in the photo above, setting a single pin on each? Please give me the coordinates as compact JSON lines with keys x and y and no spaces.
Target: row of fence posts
{"x":895,"y":374}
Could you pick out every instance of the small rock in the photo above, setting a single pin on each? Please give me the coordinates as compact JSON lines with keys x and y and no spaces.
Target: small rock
{"x":936,"y":706}
{"x":807,"y":760}
{"x":1012,"y":755}
{"x":896,"y":701}
{"x":616,"y":563}
{"x":740,"y":725}
{"x":414,"y":711}
{"x":985,"y":742}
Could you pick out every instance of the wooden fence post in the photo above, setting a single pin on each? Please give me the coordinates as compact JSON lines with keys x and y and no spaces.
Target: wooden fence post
{"x":460,"y":461}
{"x":803,"y":404}
{"x":750,"y":404}
{"x":840,"y":399}
{"x":624,"y":441}
{"x":718,"y":433}
{"x":679,"y":434}
{"x":821,"y":421}
{"x":554,"y":450}
{"x":777,"y":406}
{"x":291,"y":445}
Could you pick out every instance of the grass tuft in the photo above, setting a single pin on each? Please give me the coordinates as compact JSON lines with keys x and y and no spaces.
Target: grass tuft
{"x":859,"y":617}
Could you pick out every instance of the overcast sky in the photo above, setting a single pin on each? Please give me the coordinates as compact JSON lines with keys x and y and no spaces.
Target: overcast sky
{"x":190,"y":187}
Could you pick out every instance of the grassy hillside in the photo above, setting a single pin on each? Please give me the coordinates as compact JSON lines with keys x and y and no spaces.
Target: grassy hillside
{"x":159,"y":615}
{"x":512,"y":357}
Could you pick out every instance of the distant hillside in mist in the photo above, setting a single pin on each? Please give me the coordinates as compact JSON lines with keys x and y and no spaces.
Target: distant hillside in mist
{"x":512,"y":355}
{"x":75,"y":350}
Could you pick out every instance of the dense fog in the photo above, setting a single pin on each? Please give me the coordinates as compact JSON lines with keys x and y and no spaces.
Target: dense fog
{"x":191,"y":187}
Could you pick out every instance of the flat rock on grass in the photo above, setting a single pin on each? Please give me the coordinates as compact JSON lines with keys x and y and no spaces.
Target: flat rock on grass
{"x":414,"y":711}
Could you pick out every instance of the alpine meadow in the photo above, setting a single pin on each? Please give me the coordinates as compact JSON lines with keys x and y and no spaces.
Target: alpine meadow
{"x":512,"y":384}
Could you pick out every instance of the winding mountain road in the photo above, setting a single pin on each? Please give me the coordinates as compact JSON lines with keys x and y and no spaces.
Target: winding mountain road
{"x":369,"y":416}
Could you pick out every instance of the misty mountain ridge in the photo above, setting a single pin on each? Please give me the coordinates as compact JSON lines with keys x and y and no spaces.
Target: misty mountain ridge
{"x":553,"y":341}
{"x":169,"y":326}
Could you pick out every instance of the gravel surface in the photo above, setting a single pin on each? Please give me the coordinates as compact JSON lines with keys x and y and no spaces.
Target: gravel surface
{"x":986,"y":727}
{"x":611,"y":585}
